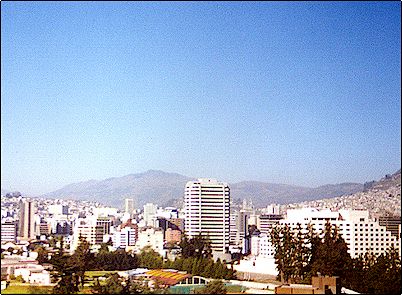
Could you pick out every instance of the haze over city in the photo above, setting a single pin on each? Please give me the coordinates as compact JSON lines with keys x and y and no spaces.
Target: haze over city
{"x":296,"y":93}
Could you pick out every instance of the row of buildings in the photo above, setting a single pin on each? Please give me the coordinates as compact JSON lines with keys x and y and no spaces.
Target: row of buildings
{"x":207,"y":211}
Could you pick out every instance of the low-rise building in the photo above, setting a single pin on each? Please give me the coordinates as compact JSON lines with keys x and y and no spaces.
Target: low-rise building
{"x":151,"y":237}
{"x":173,"y":235}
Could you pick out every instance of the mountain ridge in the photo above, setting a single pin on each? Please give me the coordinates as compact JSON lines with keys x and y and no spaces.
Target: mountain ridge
{"x":167,"y":188}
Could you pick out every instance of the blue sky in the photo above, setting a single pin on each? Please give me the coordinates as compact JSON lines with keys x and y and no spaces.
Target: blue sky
{"x":300,"y":93}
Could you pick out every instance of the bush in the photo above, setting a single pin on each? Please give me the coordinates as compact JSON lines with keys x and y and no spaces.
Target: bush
{"x":19,"y":279}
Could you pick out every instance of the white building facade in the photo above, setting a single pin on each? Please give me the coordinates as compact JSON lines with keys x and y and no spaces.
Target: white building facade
{"x":124,"y":238}
{"x":261,"y":246}
{"x":150,"y":237}
{"x":8,"y":231}
{"x":207,"y":207}
{"x":360,"y":233}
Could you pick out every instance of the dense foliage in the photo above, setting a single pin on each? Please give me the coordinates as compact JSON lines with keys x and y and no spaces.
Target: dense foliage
{"x":213,"y":287}
{"x":303,"y":254}
{"x":70,"y":269}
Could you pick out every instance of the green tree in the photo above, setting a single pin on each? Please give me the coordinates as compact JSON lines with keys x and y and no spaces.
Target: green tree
{"x":66,"y":286}
{"x":104,"y":249}
{"x":19,"y":279}
{"x":149,"y":258}
{"x":81,"y":260}
{"x":213,"y":287}
{"x":331,"y":256}
{"x":42,"y":255}
{"x":301,"y":255}
{"x":284,"y":244}
{"x":196,"y":247}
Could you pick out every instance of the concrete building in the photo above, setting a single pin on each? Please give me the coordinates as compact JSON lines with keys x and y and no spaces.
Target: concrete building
{"x":319,"y":285}
{"x":267,"y":221}
{"x":207,"y":207}
{"x":391,"y":223}
{"x":26,"y":226}
{"x":88,"y":229}
{"x":150,"y":214}
{"x":129,"y":206}
{"x":8,"y":231}
{"x":271,"y":209}
{"x":28,"y":268}
{"x":125,"y":237}
{"x":172,"y":235}
{"x":105,"y":223}
{"x":360,"y":233}
{"x":238,"y":225}
{"x":105,"y":211}
{"x":43,"y":228}
{"x":261,"y":246}
{"x":151,"y":237}
{"x":60,"y":226}
{"x":58,"y":209}
{"x":167,"y":213}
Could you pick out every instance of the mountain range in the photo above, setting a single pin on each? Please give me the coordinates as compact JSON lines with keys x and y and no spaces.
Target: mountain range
{"x":380,"y":198}
{"x":167,"y":189}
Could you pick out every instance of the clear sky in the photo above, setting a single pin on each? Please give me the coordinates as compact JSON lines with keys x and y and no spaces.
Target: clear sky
{"x":299,"y":93}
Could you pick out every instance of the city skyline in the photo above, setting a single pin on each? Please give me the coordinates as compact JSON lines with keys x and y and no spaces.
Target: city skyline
{"x":296,"y":93}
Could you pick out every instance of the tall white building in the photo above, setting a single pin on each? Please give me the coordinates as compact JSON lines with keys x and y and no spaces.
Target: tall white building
{"x":360,"y":233}
{"x":207,"y":207}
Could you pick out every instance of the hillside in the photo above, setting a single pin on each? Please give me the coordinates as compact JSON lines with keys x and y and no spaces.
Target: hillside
{"x":168,"y":188}
{"x":4,"y":192}
{"x":382,"y":197}
{"x":150,"y":186}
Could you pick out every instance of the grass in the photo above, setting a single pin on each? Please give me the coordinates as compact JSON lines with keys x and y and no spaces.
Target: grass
{"x":235,"y":289}
{"x":25,"y":289}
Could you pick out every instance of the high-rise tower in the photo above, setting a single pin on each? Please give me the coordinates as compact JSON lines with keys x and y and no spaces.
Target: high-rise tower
{"x":26,"y":225}
{"x":206,"y":206}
